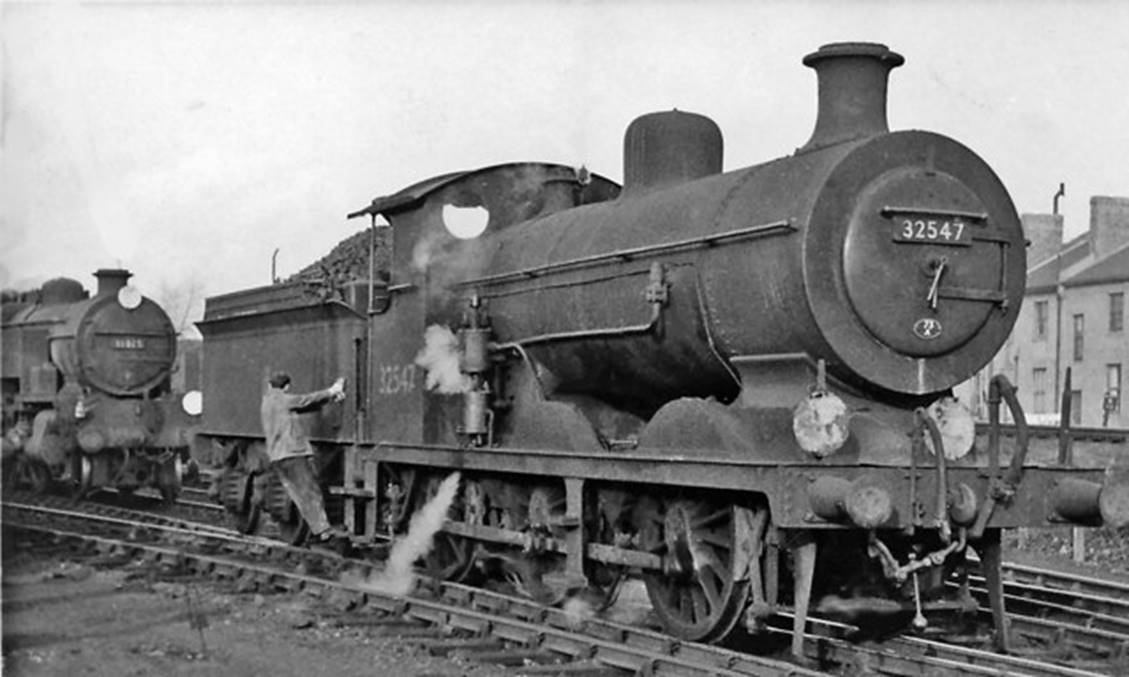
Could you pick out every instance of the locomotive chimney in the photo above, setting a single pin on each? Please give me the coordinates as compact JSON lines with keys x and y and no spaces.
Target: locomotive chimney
{"x":662,"y":149}
{"x":852,"y":91}
{"x":110,"y":280}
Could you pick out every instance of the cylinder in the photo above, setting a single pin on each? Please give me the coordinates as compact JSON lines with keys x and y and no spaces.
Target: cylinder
{"x":475,"y":341}
{"x":474,"y":412}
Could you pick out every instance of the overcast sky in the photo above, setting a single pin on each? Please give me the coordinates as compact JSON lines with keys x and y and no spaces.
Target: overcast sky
{"x":186,"y":141}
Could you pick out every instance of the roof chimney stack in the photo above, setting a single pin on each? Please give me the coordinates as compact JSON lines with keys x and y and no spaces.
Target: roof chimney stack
{"x":1109,"y":224}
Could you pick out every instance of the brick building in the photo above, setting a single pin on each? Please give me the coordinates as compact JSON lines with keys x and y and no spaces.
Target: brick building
{"x":1073,"y":315}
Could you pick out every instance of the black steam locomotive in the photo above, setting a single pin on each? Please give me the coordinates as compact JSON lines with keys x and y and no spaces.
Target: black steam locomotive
{"x":86,"y":389}
{"x":737,"y":384}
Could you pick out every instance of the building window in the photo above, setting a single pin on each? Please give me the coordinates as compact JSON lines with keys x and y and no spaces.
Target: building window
{"x":1117,"y":311}
{"x":1079,"y":329}
{"x":1041,"y":320}
{"x":1112,"y":401}
{"x":1076,"y":407}
{"x":1039,"y":388}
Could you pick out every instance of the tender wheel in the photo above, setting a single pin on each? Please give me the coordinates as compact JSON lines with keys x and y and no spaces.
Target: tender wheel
{"x":169,"y":479}
{"x":246,"y":522}
{"x":235,"y":491}
{"x":292,"y":527}
{"x":702,"y":595}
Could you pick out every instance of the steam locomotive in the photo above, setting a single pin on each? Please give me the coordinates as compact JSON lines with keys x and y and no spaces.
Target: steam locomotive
{"x":86,"y":389}
{"x":735,"y":384}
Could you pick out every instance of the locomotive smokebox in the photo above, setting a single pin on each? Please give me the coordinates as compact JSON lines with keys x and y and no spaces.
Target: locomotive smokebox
{"x":110,"y":280}
{"x":852,"y":91}
{"x":664,"y":149}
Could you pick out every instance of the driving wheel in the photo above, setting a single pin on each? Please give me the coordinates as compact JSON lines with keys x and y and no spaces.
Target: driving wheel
{"x":702,"y":592}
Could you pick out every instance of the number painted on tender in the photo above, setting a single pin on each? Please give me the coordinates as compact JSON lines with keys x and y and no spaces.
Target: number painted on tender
{"x":952,"y":231}
{"x":395,"y":379}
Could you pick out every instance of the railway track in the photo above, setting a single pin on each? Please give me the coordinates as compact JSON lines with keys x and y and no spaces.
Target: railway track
{"x":1105,"y":600}
{"x":1083,"y":619}
{"x":524,"y":631}
{"x":443,"y":617}
{"x":142,"y":507}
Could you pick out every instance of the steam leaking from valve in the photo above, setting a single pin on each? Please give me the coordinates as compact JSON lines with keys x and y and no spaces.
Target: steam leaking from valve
{"x":397,"y":578}
{"x":440,"y":357}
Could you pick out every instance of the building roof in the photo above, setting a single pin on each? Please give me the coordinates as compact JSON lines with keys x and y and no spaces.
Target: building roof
{"x":1043,"y":277}
{"x":1114,"y":267}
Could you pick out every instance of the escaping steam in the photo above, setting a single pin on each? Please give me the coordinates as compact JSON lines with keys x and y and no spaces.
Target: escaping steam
{"x":421,"y":252}
{"x":397,"y":578}
{"x":577,"y":610}
{"x":440,"y":357}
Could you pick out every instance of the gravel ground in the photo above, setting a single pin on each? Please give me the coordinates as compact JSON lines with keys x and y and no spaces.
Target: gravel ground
{"x":1106,"y":550}
{"x":66,"y":618}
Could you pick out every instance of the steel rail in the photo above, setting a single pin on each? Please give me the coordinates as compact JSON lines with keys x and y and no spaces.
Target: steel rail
{"x":1067,"y":582}
{"x":123,"y":512}
{"x":181,"y":527}
{"x":1088,"y":608}
{"x":1102,"y":643}
{"x":624,"y":647}
{"x":900,"y":656}
{"x":1048,"y":431}
{"x":908,"y":656}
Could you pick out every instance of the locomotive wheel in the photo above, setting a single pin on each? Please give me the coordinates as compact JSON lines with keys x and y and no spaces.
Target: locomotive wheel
{"x":32,"y":472}
{"x":450,"y":557}
{"x":702,"y":597}
{"x":81,"y":477}
{"x":8,"y":475}
{"x":525,"y":573}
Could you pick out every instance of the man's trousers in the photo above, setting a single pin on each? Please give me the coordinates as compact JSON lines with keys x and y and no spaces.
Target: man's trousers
{"x":298,"y":476}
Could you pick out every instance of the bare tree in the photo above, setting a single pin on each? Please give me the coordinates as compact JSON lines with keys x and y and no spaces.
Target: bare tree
{"x":184,"y":303}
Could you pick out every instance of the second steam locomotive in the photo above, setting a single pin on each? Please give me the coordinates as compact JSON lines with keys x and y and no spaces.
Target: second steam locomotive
{"x":86,"y":387}
{"x":735,"y":384}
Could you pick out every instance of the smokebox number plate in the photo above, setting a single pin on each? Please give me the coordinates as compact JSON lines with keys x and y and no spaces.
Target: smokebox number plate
{"x":130,"y":343}
{"x":925,"y":229}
